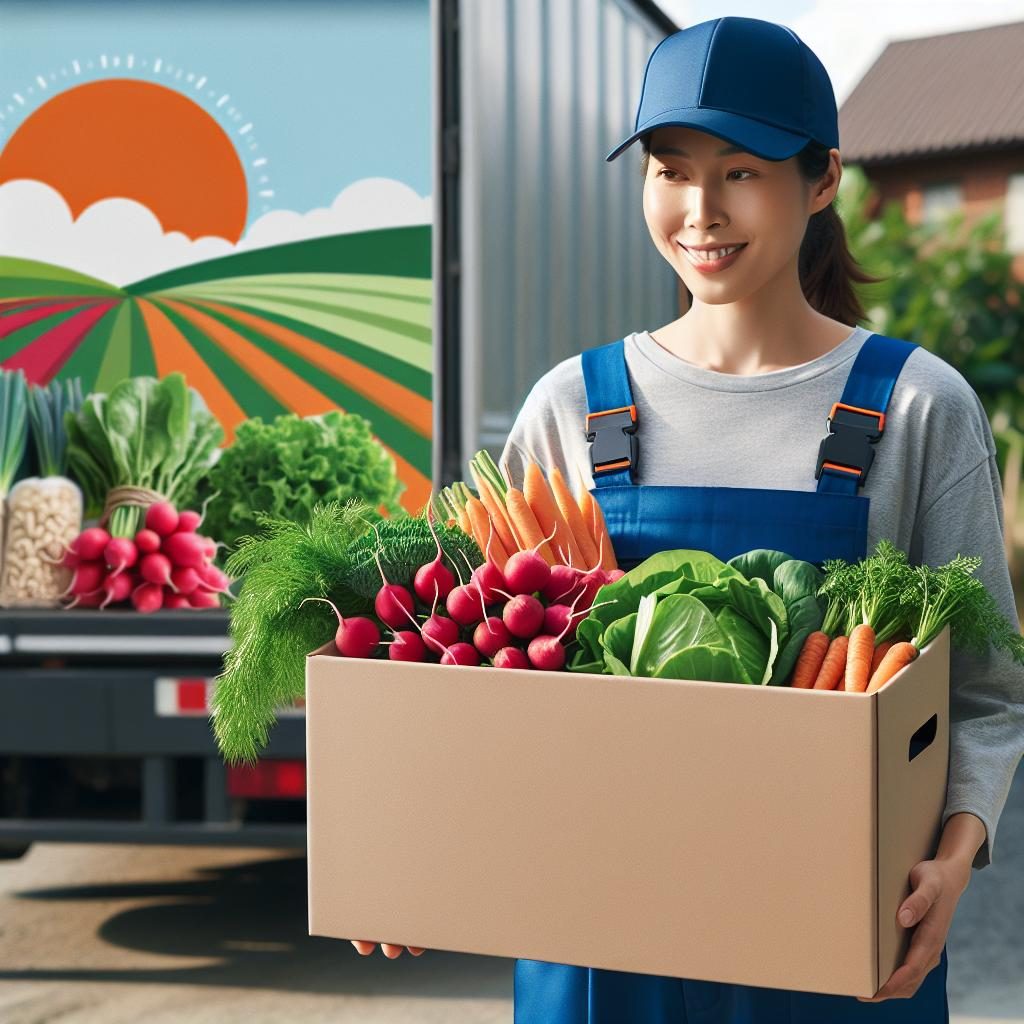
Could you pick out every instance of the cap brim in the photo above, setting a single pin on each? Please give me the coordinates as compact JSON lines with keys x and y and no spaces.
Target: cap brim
{"x":755,"y":137}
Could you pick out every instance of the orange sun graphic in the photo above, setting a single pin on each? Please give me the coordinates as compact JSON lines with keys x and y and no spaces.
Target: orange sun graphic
{"x":128,"y":139}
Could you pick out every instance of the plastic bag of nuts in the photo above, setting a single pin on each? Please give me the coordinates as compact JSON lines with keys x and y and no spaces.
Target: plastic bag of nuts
{"x":44,"y":515}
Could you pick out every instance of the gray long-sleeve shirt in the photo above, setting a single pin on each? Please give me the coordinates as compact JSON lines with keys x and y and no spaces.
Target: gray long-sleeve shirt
{"x":934,"y":488}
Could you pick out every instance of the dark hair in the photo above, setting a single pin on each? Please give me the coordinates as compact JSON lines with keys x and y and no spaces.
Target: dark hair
{"x":828,"y":270}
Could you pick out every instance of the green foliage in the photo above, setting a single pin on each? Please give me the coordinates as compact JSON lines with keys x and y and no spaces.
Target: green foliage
{"x":46,"y":408}
{"x":285,"y":467}
{"x":13,"y":426}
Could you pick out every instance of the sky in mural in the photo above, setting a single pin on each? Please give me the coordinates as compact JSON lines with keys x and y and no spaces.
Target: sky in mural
{"x":278,"y":122}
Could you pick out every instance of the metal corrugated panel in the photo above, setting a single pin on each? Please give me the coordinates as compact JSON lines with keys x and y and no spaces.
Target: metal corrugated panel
{"x":555,"y":253}
{"x":947,"y":93}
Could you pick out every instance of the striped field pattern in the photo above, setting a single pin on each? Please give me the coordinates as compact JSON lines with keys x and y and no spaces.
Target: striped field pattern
{"x":327,"y":323}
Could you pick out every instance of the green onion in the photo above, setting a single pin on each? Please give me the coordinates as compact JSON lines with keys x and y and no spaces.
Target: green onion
{"x":13,"y":426}
{"x":46,"y":408}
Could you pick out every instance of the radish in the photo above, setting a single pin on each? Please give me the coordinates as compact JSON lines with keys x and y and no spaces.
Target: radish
{"x":209,"y":547}
{"x":213,"y":579}
{"x":526,"y":572}
{"x":162,"y":518}
{"x":490,"y":636}
{"x":184,"y":549}
{"x":156,"y":568}
{"x":523,"y":615}
{"x":147,"y":541}
{"x":546,"y":653}
{"x":184,"y":580}
{"x":465,"y":605}
{"x":91,"y":599}
{"x":120,"y":554}
{"x":88,"y":577}
{"x":89,"y":544}
{"x":118,"y":587}
{"x":148,"y":597}
{"x":511,"y":657}
{"x":439,"y":633}
{"x":177,"y":601}
{"x":408,"y":645}
{"x":357,"y":636}
{"x":435,"y":580}
{"x":200,"y":598}
{"x":563,"y":581}
{"x":188,"y":520}
{"x":461,"y":654}
{"x":393,"y":605}
{"x":615,"y":574}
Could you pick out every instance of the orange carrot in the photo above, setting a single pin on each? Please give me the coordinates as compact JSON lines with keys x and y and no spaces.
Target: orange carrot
{"x":496,"y":510}
{"x":486,"y":536}
{"x":464,"y":522}
{"x":525,"y":525}
{"x":572,"y":515}
{"x":808,"y":665}
{"x":832,"y":668}
{"x":876,"y":658}
{"x":897,"y":657}
{"x":858,"y":657}
{"x":549,"y":516}
{"x":594,"y":518}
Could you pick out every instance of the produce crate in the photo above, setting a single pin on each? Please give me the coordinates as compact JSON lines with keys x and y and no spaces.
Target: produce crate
{"x":757,"y":835}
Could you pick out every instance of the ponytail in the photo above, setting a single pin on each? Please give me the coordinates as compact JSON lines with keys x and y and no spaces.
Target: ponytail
{"x":828,"y":270}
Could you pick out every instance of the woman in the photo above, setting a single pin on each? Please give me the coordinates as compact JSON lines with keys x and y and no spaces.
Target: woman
{"x":710,"y":433}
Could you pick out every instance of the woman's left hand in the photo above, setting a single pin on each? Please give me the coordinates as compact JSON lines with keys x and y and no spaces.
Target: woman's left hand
{"x":937,"y":888}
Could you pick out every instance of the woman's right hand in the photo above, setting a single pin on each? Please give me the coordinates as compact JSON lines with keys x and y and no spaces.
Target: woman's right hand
{"x":365,"y":948}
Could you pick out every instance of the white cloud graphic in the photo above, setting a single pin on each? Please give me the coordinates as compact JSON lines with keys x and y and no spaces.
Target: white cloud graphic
{"x":120,"y":240}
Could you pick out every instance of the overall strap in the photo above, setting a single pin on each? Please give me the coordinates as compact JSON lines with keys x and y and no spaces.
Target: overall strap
{"x":857,"y":420}
{"x":610,"y":424}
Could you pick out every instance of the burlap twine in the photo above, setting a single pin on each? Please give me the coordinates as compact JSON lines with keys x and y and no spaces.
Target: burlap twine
{"x":128,"y":495}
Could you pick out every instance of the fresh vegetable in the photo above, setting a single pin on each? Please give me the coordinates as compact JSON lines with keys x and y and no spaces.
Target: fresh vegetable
{"x":525,"y":526}
{"x":859,"y":653}
{"x":808,"y":664}
{"x":833,"y":667}
{"x":574,"y":518}
{"x":897,"y":657}
{"x":285,"y":467}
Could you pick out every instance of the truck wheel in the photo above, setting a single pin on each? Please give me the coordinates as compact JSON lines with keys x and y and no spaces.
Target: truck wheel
{"x":12,"y":851}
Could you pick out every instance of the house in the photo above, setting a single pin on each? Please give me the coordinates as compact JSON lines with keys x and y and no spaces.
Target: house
{"x":937,"y":124}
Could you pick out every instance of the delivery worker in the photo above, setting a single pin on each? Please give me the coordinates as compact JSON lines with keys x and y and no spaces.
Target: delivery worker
{"x":765,"y":416}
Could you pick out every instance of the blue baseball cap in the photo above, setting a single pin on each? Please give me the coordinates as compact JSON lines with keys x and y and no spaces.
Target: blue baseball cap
{"x":751,"y":82}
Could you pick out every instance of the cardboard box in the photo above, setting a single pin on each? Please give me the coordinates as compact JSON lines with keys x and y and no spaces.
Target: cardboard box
{"x":748,"y":834}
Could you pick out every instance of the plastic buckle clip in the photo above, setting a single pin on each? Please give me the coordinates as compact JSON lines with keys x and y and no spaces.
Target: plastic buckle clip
{"x":614,"y":442}
{"x":848,"y":446}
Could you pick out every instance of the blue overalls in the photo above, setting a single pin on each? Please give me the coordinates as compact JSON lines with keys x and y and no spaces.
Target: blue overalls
{"x":830,"y":522}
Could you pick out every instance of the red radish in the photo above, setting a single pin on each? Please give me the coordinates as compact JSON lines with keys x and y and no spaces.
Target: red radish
{"x":184,"y":549}
{"x":461,"y":654}
{"x":357,"y":636}
{"x":408,"y":645}
{"x":526,"y":572}
{"x":615,"y":574}
{"x":511,"y":657}
{"x":89,"y":544}
{"x":435,"y":580}
{"x":120,"y":554}
{"x":558,"y":617}
{"x":92,"y":599}
{"x":162,"y":518}
{"x":523,"y":615}
{"x":490,"y":636}
{"x":487,"y":578}
{"x":439,"y":632}
{"x":209,"y":547}
{"x":393,"y":605}
{"x":213,"y":579}
{"x":156,"y":568}
{"x":184,"y":580}
{"x":546,"y":653}
{"x":147,"y":541}
{"x":88,"y":576}
{"x":118,"y":587}
{"x":148,"y":597}
{"x":177,"y":601}
{"x":563,"y":582}
{"x":188,"y":520}
{"x":464,"y":605}
{"x":200,"y":598}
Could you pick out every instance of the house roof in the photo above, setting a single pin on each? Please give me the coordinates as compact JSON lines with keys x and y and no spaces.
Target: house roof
{"x":939,"y":94}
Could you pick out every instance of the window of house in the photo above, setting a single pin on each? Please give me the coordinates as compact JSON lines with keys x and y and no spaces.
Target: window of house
{"x":1014,"y":213}
{"x":939,"y":199}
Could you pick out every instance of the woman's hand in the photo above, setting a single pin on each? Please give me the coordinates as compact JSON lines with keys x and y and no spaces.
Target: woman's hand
{"x":390,"y":951}
{"x":938,"y":886}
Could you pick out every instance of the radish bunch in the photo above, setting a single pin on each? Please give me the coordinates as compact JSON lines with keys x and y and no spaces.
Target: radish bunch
{"x":166,"y":565}
{"x":524,"y":616}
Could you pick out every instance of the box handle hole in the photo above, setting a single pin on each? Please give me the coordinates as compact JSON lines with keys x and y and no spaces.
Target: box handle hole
{"x":922,"y":739}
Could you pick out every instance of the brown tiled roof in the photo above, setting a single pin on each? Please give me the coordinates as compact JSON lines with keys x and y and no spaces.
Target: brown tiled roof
{"x":940,"y":94}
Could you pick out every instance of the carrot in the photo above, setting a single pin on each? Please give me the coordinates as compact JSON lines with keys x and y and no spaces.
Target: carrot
{"x":897,"y":657}
{"x":464,"y":522}
{"x":831,"y":673}
{"x":858,"y":657}
{"x":876,"y":658}
{"x":572,"y":515}
{"x":486,"y":536}
{"x":808,"y":665}
{"x":549,"y":516}
{"x":594,"y":518}
{"x":525,"y":525}
{"x":496,"y":510}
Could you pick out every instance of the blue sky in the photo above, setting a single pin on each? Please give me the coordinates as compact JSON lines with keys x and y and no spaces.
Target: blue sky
{"x":335,"y":92}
